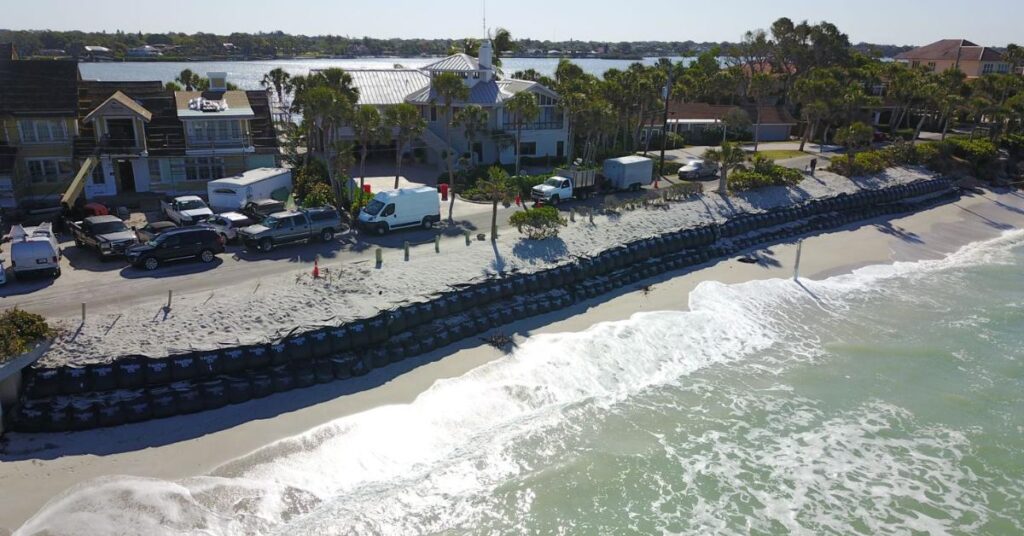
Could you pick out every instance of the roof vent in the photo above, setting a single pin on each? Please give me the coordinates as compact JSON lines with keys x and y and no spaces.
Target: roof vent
{"x":218,"y":81}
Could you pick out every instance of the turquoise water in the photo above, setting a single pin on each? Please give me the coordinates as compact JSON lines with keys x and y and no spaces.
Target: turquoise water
{"x":888,"y":401}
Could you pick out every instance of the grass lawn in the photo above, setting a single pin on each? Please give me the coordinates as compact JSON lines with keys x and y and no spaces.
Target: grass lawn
{"x":780,"y":154}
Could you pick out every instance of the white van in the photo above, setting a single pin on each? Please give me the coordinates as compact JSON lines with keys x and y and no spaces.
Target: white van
{"x":232,"y":193}
{"x":34,"y":251}
{"x":405,"y":207}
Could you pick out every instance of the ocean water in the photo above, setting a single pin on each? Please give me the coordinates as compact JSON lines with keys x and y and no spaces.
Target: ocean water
{"x":247,"y":74}
{"x":887,"y":401}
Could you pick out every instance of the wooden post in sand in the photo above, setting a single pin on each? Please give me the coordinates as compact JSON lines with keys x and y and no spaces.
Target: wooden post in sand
{"x":796,"y":265}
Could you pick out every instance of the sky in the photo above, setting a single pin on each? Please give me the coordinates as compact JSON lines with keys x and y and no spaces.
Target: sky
{"x":898,"y":22}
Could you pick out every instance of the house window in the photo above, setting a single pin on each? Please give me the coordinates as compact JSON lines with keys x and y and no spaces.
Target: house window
{"x":433,"y":113}
{"x":154,"y":171}
{"x":528,"y":148}
{"x":915,"y":64}
{"x":203,"y":169}
{"x":931,"y":66}
{"x":988,"y":68}
{"x":42,"y":130}
{"x":48,"y":169}
{"x":1004,"y":67}
{"x":216,"y":132}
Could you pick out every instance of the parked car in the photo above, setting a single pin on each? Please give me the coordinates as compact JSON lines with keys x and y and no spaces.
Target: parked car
{"x":153,"y":230}
{"x":228,"y":224}
{"x":35,"y":251}
{"x":106,"y":234}
{"x":233,"y":193}
{"x":698,"y":169}
{"x":261,"y":208}
{"x":186,"y":209}
{"x":404,"y":207}
{"x":292,"y":226}
{"x":200,"y":243}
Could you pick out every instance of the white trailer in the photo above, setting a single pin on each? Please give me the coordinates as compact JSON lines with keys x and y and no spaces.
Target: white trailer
{"x":233,"y":193}
{"x":628,"y":172}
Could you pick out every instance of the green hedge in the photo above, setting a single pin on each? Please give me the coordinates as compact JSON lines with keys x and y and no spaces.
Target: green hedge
{"x":19,"y":330}
{"x":538,"y":223}
{"x":523,"y":183}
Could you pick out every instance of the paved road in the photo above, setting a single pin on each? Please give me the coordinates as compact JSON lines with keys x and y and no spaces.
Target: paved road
{"x":108,"y":285}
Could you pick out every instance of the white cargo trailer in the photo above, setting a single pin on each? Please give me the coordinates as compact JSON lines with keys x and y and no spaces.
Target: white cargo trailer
{"x":232,"y":193}
{"x":628,"y":172}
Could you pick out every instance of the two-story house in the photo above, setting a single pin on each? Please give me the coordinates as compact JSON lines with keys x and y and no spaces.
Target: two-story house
{"x":149,"y":139}
{"x":38,"y":100}
{"x":971,"y":59}
{"x":547,"y":135}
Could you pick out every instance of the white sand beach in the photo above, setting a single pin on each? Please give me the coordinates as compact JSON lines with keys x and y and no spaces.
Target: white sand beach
{"x":36,"y":468}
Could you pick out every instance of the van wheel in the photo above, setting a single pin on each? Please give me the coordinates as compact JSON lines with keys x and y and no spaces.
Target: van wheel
{"x":381,"y":229}
{"x":206,"y":255}
{"x":56,"y":273}
{"x":151,"y":263}
{"x":326,"y":235}
{"x":635,"y":187}
{"x":427,"y":223}
{"x":266,"y":245}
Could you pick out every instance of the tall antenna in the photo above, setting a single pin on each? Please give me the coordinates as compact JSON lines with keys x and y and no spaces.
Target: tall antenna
{"x":485,"y":18}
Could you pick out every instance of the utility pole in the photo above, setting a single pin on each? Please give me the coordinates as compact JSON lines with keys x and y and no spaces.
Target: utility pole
{"x":665,"y":93}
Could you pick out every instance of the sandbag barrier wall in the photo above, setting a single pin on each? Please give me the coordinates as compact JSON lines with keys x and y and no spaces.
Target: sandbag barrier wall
{"x":138,"y":388}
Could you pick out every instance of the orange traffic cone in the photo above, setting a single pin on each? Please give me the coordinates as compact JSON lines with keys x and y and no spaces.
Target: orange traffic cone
{"x":655,"y":184}
{"x":316,"y":268}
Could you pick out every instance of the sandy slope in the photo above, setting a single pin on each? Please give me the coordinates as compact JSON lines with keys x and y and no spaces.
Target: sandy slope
{"x":41,"y":466}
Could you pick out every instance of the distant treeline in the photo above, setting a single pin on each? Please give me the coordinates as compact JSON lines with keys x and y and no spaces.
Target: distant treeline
{"x":278,"y":44}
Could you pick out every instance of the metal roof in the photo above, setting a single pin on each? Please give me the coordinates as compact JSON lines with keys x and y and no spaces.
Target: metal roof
{"x":455,"y":62}
{"x":387,"y":86}
{"x":483,"y":93}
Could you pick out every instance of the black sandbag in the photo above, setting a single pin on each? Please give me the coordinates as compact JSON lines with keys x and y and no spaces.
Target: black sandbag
{"x":359,"y":334}
{"x":211,"y":362}
{"x":442,"y":336}
{"x":183,"y":367}
{"x":103,"y":376}
{"x":340,"y":340}
{"x":427,"y":342}
{"x":45,"y":382}
{"x":300,"y":347}
{"x":257,"y":356}
{"x":31,"y":416}
{"x":396,"y":350}
{"x":495,"y":317}
{"x":342,"y":365}
{"x":452,"y":304}
{"x":283,"y":378}
{"x":379,"y":357}
{"x":158,"y":371}
{"x":532,"y":282}
{"x":638,"y":251}
{"x":507,"y":289}
{"x":491,"y":292}
{"x":130,"y":372}
{"x":397,"y":320}
{"x":532,"y":307}
{"x":74,"y":380}
{"x":214,"y":393}
{"x":239,"y":389}
{"x":412,"y":347}
{"x":262,"y":385}
{"x":378,"y":328}
{"x":519,"y":311}
{"x":163,"y":402}
{"x":280,"y":353}
{"x":136,"y":407}
{"x":234,"y":360}
{"x":322,"y":371}
{"x":320,"y":343}
{"x":482,"y":323}
{"x":109,"y":413}
{"x":359,"y":368}
{"x":190,"y":400}
{"x":457,"y":331}
{"x":58,"y":415}
{"x":83,"y":414}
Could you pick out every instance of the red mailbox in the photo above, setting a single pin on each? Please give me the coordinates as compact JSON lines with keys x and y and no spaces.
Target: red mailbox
{"x":367,"y":189}
{"x":444,"y":191}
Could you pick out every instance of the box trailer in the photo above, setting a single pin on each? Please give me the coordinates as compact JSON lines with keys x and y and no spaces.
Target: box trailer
{"x":233,"y":193}
{"x":628,"y":172}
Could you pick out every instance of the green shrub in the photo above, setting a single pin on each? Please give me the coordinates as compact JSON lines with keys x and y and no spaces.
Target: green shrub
{"x":319,"y":195}
{"x":538,"y":223}
{"x":307,"y":176}
{"x":864,"y":163}
{"x":674,"y":141}
{"x":1014,"y":143}
{"x":763,"y":172}
{"x":18,"y":330}
{"x":904,"y":134}
{"x":977,"y":152}
{"x":361,"y":200}
{"x":671,"y":168}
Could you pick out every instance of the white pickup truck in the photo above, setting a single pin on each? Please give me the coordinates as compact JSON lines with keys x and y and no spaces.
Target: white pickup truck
{"x":186,"y":209}
{"x":567,"y":184}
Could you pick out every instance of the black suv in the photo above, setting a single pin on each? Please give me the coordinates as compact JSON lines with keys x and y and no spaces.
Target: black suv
{"x":187,"y":243}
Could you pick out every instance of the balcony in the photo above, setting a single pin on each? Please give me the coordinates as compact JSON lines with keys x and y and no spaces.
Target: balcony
{"x":204,"y":145}
{"x":537,"y":125}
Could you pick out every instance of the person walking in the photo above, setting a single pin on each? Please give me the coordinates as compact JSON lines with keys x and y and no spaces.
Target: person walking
{"x":814,"y":165}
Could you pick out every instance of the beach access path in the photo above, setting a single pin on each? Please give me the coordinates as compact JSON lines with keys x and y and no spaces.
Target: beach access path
{"x":41,"y":466}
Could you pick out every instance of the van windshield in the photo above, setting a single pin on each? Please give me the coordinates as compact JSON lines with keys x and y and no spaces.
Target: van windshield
{"x":373,"y":208}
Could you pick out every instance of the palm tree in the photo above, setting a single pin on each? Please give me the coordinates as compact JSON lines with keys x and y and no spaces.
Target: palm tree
{"x":172,"y":86}
{"x":501,"y":43}
{"x":368,"y":128}
{"x":523,"y":108}
{"x":189,"y":79}
{"x":728,"y":156}
{"x":315,"y":105}
{"x":407,"y":123}
{"x":496,"y":188}
{"x":473,"y":120}
{"x":760,"y":88}
{"x":341,"y":163}
{"x":280,"y":81}
{"x":449,"y":88}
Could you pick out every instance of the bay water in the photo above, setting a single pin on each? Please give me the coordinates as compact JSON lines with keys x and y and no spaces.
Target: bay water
{"x":886,"y":401}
